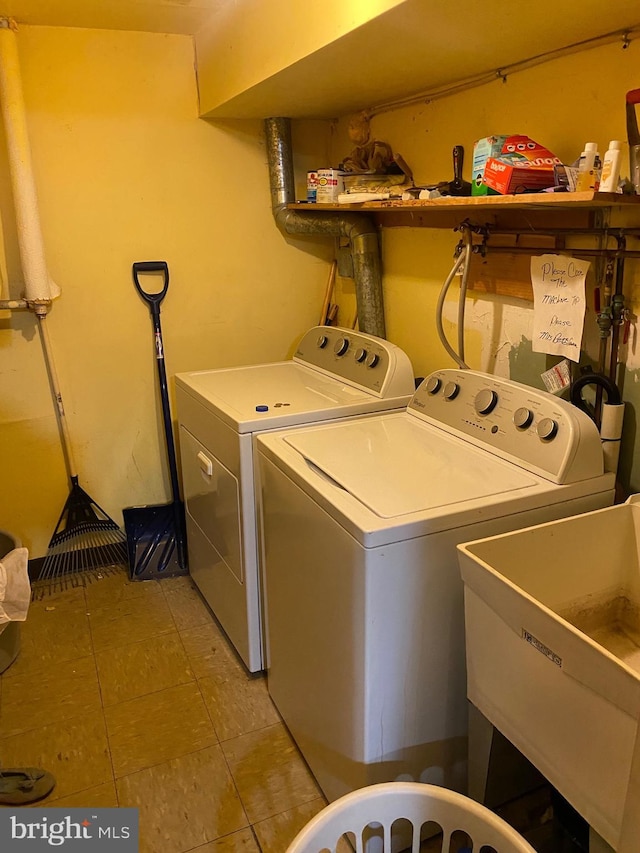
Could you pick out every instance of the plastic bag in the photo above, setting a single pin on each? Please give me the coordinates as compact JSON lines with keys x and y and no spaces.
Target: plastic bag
{"x":15,"y":588}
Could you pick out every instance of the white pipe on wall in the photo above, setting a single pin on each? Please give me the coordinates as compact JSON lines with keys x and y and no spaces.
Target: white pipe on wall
{"x":39,"y":288}
{"x":611,"y":434}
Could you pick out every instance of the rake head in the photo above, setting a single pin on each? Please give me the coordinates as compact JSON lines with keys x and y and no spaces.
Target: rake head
{"x":85,"y":545}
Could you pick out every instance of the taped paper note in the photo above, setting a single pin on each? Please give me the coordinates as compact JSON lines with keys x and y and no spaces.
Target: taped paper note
{"x":558,"y":304}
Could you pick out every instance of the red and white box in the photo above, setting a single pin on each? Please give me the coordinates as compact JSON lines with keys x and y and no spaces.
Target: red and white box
{"x":522,"y":166}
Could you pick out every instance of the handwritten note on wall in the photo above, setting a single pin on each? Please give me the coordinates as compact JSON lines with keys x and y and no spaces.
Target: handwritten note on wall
{"x":558,"y":304}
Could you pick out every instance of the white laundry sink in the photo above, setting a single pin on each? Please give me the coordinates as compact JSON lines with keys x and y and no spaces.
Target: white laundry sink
{"x":552,"y":617}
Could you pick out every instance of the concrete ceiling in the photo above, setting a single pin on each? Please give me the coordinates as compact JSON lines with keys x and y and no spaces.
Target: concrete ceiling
{"x":184,"y":17}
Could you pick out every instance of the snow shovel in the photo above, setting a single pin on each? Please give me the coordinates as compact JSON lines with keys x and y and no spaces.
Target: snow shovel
{"x":156,"y":538}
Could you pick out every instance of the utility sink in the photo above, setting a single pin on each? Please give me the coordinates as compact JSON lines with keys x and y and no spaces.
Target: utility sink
{"x":552,"y":617}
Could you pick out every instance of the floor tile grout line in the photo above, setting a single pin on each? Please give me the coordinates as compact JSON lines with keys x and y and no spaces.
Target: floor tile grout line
{"x":150,"y":693}
{"x":235,"y":784}
{"x":35,"y":673}
{"x":153,"y":636}
{"x":197,"y":681}
{"x":106,"y":731}
{"x":255,"y":836}
{"x":166,"y":761}
{"x":222,"y":837}
{"x":167,"y":596}
{"x":254,"y":731}
{"x":81,"y":715}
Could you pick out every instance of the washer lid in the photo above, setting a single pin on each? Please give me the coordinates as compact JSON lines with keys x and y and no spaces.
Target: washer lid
{"x":396,"y":465}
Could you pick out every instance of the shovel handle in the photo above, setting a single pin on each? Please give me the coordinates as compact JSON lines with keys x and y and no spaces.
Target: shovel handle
{"x":153,"y":299}
{"x":633,"y":97}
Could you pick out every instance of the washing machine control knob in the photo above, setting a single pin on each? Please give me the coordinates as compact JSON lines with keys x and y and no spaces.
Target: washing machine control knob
{"x":322,"y":341}
{"x":522,"y":417}
{"x":547,"y":429}
{"x":342,"y":346}
{"x":373,"y":359}
{"x":361,"y":354}
{"x":485,"y":401}
{"x":433,"y":384}
{"x":451,"y":390}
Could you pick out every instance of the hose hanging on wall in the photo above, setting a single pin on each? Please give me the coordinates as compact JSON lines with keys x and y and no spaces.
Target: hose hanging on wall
{"x":600,"y":381}
{"x":611,"y":417}
{"x":463,"y":258}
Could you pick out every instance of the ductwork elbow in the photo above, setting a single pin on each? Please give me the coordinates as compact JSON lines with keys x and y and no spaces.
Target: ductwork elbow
{"x":357,"y":228}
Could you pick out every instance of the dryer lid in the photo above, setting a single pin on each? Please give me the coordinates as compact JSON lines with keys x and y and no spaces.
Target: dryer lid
{"x":268,"y":396}
{"x":396,"y":465}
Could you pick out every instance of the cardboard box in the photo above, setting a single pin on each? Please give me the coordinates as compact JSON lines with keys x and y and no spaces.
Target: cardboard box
{"x":512,"y":164}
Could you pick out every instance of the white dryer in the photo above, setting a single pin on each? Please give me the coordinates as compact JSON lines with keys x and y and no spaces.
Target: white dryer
{"x":334,"y":373}
{"x":364,"y":600}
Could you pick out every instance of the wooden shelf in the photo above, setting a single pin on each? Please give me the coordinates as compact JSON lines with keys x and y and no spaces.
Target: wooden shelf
{"x":505,"y":274}
{"x":449,"y":211}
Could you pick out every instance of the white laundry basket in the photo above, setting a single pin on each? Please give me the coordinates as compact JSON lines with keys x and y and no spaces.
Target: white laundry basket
{"x":411,"y":802}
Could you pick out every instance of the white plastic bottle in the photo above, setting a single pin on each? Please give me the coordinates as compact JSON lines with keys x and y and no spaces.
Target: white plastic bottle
{"x":611,"y":167}
{"x":587,"y":174}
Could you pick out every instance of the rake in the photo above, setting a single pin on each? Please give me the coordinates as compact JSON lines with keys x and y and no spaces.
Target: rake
{"x":86,"y":543}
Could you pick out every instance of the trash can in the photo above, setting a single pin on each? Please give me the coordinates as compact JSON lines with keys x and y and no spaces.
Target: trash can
{"x":391,"y":816}
{"x":10,"y":636}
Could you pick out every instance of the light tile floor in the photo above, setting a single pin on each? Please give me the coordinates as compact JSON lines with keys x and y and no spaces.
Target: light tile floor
{"x":131,"y":696}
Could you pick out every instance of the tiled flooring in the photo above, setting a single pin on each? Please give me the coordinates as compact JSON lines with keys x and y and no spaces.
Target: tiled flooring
{"x":130,"y":695}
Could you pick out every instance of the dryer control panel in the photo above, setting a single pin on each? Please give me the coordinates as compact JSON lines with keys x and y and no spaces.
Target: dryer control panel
{"x":358,"y":359}
{"x":534,"y":429}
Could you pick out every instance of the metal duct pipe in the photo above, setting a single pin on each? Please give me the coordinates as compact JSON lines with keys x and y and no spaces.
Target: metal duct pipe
{"x":359,"y":229}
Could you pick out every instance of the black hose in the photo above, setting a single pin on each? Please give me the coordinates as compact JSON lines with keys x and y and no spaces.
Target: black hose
{"x":603,"y":382}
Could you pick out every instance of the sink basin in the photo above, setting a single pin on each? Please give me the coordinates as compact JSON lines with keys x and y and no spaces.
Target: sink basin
{"x":552,"y":618}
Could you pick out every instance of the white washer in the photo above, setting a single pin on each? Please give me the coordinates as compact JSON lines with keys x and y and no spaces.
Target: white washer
{"x":364,"y":608}
{"x":335,"y":373}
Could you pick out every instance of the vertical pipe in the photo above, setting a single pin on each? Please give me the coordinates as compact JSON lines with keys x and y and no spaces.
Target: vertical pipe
{"x":617,"y":309}
{"x":356,"y":227}
{"x":39,"y":289}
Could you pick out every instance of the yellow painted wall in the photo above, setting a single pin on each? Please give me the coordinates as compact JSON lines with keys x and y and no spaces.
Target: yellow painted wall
{"x":561,"y":104}
{"x":126,"y":171}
